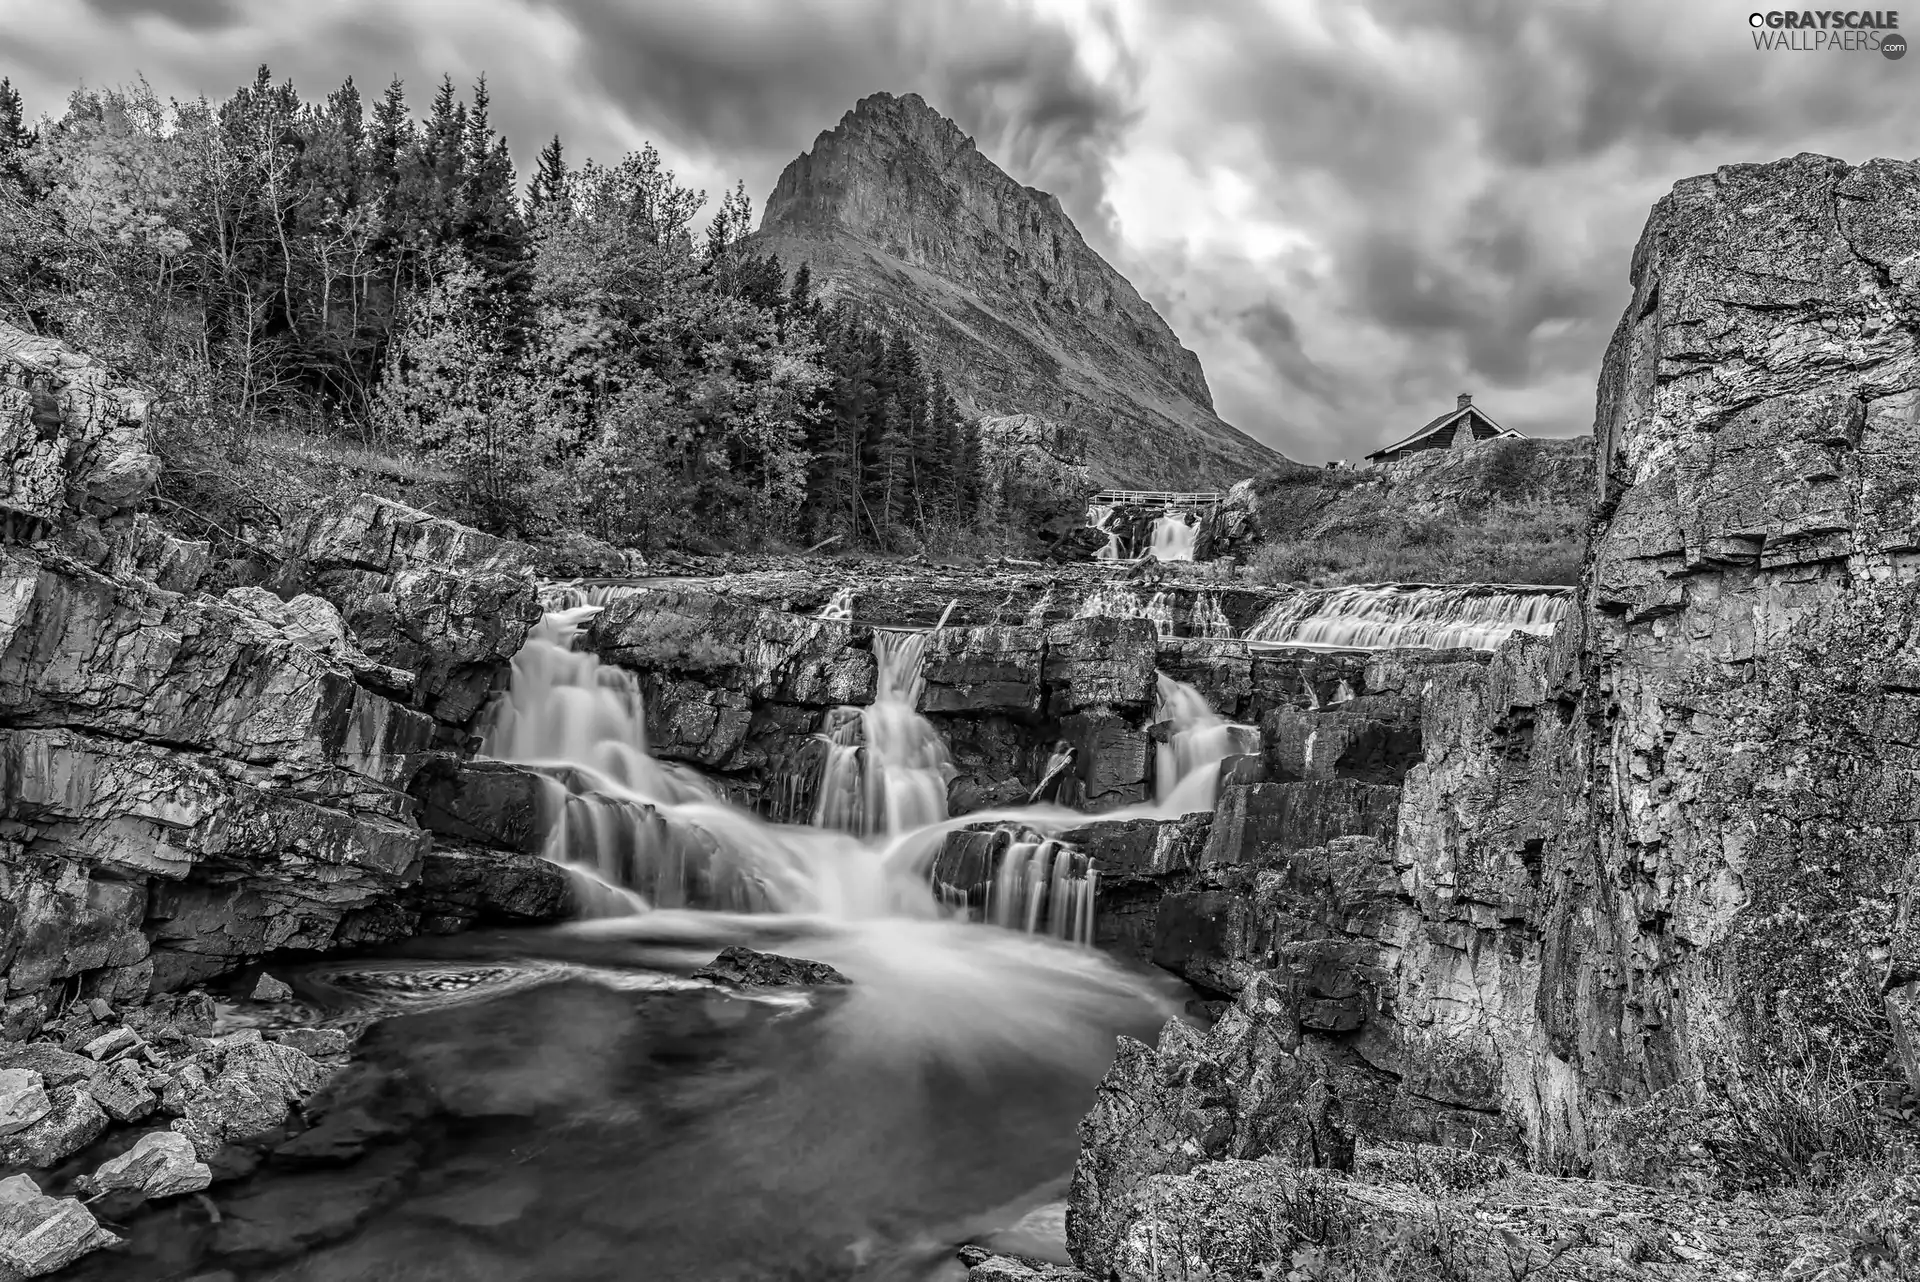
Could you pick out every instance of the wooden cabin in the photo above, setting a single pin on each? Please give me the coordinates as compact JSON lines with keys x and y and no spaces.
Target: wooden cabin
{"x":1465,"y":425}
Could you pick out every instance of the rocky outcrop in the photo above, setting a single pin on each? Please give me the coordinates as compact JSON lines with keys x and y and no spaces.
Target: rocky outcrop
{"x":188,"y":781}
{"x":897,"y":210}
{"x":1636,"y":869}
{"x":74,"y":448}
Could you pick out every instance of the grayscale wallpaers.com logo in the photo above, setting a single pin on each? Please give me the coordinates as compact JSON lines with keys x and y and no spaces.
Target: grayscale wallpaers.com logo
{"x":1822,"y":30}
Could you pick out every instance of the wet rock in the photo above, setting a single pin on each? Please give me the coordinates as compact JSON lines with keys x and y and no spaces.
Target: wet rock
{"x":72,"y":1122}
{"x":458,"y":888}
{"x":161,"y":1164}
{"x":316,"y":1043}
{"x":23,"y":1099}
{"x":269,"y":989}
{"x":984,"y":669}
{"x":41,"y":1234}
{"x":984,"y":1266}
{"x":491,"y":803}
{"x":1100,"y":663}
{"x":293,"y":1213}
{"x":121,"y":1089}
{"x":55,"y":1066}
{"x":238,"y":1091}
{"x":746,"y":968}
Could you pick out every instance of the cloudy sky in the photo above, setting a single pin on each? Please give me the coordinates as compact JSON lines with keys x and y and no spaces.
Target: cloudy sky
{"x":1352,"y":209}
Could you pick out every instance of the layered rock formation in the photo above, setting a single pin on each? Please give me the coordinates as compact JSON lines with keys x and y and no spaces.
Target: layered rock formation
{"x":897,"y":209}
{"x":1640,"y":871}
{"x":188,"y":780}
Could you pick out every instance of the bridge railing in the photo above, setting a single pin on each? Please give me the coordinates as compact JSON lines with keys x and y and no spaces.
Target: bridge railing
{"x":1190,"y":499}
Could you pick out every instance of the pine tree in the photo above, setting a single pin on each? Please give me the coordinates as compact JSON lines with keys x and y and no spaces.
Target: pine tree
{"x":487,"y":221}
{"x":15,"y":137}
{"x":550,"y":190}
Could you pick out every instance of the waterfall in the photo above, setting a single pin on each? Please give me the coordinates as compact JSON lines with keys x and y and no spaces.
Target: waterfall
{"x":1173,"y":538}
{"x":893,"y":777}
{"x":1187,"y":765}
{"x":1116,"y":601}
{"x":1208,"y":619}
{"x":642,"y":835}
{"x":574,"y":594}
{"x":1098,"y":514}
{"x":1111,"y":551}
{"x":839,"y":606}
{"x":1402,"y":615}
{"x":1044,"y":886}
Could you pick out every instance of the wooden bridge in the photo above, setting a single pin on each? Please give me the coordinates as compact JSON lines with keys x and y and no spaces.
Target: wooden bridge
{"x":1178,"y":500}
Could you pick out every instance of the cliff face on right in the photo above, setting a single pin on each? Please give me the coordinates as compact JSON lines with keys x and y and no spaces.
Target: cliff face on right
{"x":1646,"y":909}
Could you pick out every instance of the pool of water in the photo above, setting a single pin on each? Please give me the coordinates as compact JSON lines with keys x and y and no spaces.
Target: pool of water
{"x":570,"y":1105}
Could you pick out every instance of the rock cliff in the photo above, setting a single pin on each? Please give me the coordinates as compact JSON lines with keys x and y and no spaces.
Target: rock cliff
{"x":188,"y":781}
{"x":897,"y":210}
{"x":1644,"y":908}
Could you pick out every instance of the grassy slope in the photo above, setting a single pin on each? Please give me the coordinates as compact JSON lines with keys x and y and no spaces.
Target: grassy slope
{"x":1495,"y":514}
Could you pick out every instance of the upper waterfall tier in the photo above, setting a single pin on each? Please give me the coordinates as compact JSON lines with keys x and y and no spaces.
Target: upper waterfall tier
{"x":1412,"y":616}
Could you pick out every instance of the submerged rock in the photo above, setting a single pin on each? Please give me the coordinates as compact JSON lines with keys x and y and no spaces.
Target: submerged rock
{"x":239,"y":1090}
{"x":41,"y":1234}
{"x":161,"y":1164}
{"x":746,"y":968}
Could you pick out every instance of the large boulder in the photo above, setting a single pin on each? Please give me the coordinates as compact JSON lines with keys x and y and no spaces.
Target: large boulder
{"x":41,"y":1234}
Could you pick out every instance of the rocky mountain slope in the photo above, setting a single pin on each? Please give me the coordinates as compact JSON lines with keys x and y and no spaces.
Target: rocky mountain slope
{"x":896,"y":209}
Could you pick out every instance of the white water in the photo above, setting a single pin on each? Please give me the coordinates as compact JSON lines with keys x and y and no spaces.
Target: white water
{"x":644,"y":835}
{"x":839,"y":606}
{"x":1393,"y":616}
{"x":1209,"y":620}
{"x":1039,"y":876}
{"x":1115,"y":601}
{"x":1187,"y":766}
{"x":893,"y":778}
{"x":1173,"y":538}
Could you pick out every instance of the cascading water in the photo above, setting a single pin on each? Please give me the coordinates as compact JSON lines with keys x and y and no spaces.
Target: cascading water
{"x":1187,"y":764}
{"x":1037,"y":876}
{"x":647,"y":834}
{"x":887,"y":768}
{"x":627,"y":1106}
{"x":839,"y":606}
{"x":1173,"y":538}
{"x":1208,"y":619}
{"x":1116,"y":601}
{"x":1390,"y":616}
{"x":571,"y":596}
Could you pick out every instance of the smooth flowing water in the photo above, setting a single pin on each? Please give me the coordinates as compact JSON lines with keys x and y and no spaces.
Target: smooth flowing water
{"x":1399,"y":615}
{"x":1173,"y":537}
{"x":571,"y":1103}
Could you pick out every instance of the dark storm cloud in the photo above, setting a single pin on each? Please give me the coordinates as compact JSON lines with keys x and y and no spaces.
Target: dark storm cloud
{"x":758,"y":81}
{"x":195,"y":15}
{"x":1475,"y":173}
{"x":1419,"y":196}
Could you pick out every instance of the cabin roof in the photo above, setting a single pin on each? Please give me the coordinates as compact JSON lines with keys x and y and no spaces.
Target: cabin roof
{"x":1440,"y":422}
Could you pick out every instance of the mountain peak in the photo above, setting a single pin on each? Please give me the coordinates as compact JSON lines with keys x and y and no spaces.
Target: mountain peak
{"x":896,"y":209}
